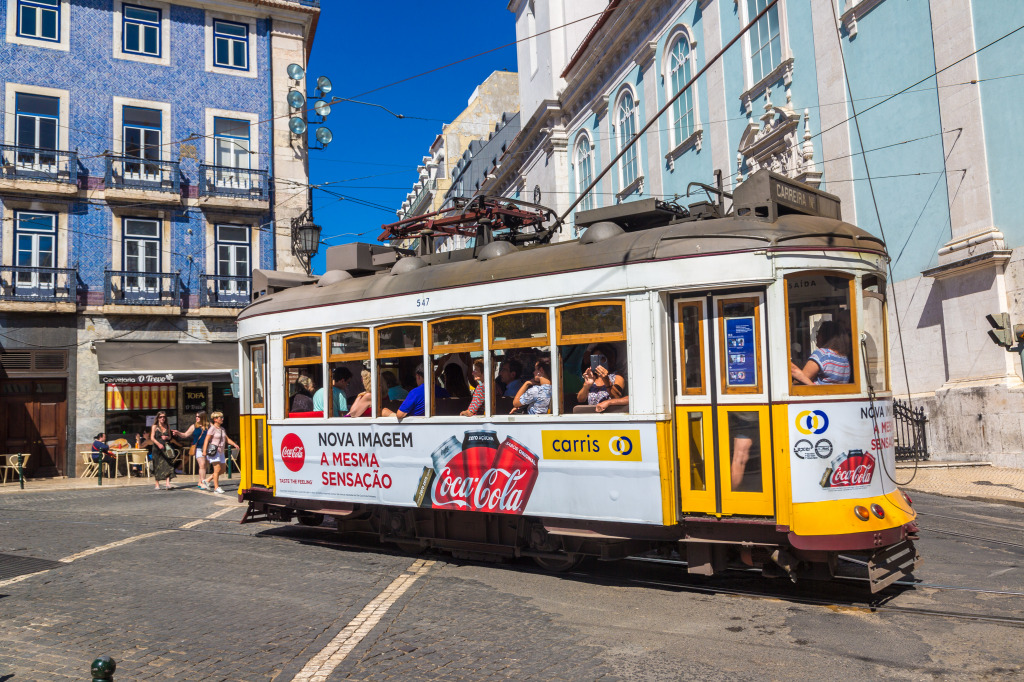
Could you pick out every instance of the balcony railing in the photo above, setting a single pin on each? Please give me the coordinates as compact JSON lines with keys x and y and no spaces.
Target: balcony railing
{"x":241,"y":183}
{"x":126,"y":172}
{"x":32,"y":163}
{"x":122,"y":287}
{"x":224,"y":291}
{"x":38,"y":285}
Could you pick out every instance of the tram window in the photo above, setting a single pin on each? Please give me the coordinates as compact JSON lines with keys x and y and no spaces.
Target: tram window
{"x":745,"y":451}
{"x":454,"y":346}
{"x":823,"y":357}
{"x":874,"y":342}
{"x":258,"y":362}
{"x":740,"y":345}
{"x":348,"y":357}
{"x":697,"y":464}
{"x":592,"y":354}
{"x":519,"y":340}
{"x":691,"y":343}
{"x":399,"y":363}
{"x":303,"y":360}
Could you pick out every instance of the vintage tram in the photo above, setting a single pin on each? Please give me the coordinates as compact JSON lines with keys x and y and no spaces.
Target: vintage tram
{"x":715,"y":437}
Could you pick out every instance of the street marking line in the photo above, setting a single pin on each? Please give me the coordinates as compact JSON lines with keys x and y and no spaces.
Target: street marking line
{"x":219,"y":512}
{"x":18,"y":579}
{"x":319,"y":668}
{"x":112,"y":545}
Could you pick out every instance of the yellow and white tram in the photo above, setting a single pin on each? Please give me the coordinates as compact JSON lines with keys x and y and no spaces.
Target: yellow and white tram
{"x":718,"y":447}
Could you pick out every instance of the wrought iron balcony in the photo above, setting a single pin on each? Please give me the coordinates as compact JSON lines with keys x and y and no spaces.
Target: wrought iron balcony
{"x":224,"y":291}
{"x":38,"y":285}
{"x":240,"y":183}
{"x":33,"y":163}
{"x":126,"y":172}
{"x":122,"y":287}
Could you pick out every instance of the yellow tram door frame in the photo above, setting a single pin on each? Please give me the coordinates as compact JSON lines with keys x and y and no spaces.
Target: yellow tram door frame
{"x":695,"y":458}
{"x":260,"y":462}
{"x":753,"y":494}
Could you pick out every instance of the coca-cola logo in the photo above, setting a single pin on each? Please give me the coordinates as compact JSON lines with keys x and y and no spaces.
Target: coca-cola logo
{"x":293,"y":453}
{"x":497,"y":490}
{"x":483,"y":478}
{"x":856,"y":470}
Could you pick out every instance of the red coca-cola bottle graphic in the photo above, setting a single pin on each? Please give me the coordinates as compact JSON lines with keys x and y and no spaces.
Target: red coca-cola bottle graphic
{"x":483,"y":477}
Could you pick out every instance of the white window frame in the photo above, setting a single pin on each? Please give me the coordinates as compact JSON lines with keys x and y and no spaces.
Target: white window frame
{"x":165,"y":32}
{"x":677,"y":144}
{"x":35,"y":280}
{"x":754,"y":88}
{"x":586,"y":145}
{"x":63,"y":28}
{"x":231,"y":287}
{"x":11,"y":92}
{"x":252,"y":70}
{"x":636,"y":181}
{"x":166,"y":129}
{"x":141,"y":283}
{"x":254,"y":134}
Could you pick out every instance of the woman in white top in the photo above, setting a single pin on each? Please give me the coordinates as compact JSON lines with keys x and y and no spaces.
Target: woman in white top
{"x":214,"y":446}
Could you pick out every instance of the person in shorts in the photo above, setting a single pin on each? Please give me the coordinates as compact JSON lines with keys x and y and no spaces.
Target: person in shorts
{"x":215,"y":446}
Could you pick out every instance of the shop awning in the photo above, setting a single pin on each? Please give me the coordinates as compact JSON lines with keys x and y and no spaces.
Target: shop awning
{"x":157,"y":363}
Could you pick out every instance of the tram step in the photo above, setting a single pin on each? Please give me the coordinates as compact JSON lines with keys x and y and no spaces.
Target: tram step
{"x":582,"y":533}
{"x":888,"y":565}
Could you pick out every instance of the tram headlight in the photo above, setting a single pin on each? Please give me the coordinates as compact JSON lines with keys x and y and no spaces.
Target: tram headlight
{"x":877,"y":510}
{"x":861,"y":512}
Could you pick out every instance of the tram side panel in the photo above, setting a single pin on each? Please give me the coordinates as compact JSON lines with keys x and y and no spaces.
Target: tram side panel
{"x":605,"y":472}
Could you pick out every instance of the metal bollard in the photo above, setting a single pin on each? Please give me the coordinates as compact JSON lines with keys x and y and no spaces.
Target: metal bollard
{"x":229,"y":463}
{"x":21,"y":472}
{"x":103,"y":669}
{"x":99,"y":476}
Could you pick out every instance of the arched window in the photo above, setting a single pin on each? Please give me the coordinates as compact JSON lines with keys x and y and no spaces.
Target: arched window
{"x":584,"y":172}
{"x":679,"y":74}
{"x":626,"y":117}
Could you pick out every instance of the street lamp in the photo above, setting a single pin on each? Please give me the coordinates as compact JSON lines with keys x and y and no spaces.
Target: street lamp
{"x":305,"y":238}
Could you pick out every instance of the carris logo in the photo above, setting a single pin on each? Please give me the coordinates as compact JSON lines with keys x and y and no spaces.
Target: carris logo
{"x":620,"y":445}
{"x":811,"y":422}
{"x":293,"y":453}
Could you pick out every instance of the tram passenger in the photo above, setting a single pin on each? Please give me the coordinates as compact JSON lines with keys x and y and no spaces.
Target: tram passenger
{"x":362,"y":406}
{"x":603,"y":385}
{"x":395,"y":389}
{"x":746,"y":447}
{"x":454,"y":381}
{"x":477,"y":401}
{"x":340,"y":378}
{"x":302,"y":401}
{"x":508,"y":381}
{"x":535,"y":395}
{"x":415,"y":404}
{"x":830,"y":363}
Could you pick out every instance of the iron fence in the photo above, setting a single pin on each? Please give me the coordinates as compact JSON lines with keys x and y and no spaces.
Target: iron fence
{"x":124,"y":287}
{"x":911,"y":435}
{"x":224,"y":291}
{"x":33,"y":163}
{"x":242,"y":183}
{"x":38,"y":285}
{"x":128,"y":172}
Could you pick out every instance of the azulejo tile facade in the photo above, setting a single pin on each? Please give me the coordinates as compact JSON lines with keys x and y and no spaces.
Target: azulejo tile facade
{"x":145,"y":169}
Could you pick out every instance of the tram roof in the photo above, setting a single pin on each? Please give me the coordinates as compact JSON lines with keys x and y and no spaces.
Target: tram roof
{"x":677,"y":240}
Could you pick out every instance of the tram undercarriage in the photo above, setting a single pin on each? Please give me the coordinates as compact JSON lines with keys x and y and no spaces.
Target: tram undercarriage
{"x":706,"y":546}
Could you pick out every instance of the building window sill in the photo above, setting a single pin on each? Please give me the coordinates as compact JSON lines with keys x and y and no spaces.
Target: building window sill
{"x":693,"y":141}
{"x":635,"y":186}
{"x":783,"y":70}
{"x":850,"y":16}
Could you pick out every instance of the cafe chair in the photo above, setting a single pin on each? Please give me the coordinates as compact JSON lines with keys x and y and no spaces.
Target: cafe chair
{"x":139,"y":458}
{"x":11,"y":465}
{"x":89,"y":467}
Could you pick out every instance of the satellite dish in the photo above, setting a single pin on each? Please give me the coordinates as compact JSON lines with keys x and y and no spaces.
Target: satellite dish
{"x":296,"y":125}
{"x":296,"y":100}
{"x":295,"y":72}
{"x":323,"y":109}
{"x":323,"y":84}
{"x":324,"y":136}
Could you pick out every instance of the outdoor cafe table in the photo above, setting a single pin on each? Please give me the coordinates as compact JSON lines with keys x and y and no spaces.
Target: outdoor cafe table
{"x":124,"y":456}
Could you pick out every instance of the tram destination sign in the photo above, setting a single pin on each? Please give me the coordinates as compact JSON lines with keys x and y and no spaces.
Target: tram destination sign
{"x":802,"y":199}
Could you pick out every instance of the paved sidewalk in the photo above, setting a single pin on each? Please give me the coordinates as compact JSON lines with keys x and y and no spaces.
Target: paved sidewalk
{"x":50,"y":484}
{"x":969,"y":480}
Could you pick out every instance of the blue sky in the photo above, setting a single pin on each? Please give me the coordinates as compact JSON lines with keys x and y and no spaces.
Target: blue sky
{"x":363,"y":46}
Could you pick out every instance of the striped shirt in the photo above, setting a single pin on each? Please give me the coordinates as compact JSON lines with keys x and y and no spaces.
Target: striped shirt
{"x":835,"y":368}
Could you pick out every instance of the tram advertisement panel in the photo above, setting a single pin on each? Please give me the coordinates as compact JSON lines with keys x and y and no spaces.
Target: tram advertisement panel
{"x":841,"y":450}
{"x":599,"y":471}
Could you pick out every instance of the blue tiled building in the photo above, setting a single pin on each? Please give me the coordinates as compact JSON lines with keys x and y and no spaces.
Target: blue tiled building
{"x":920,"y":95}
{"x":145,"y":169}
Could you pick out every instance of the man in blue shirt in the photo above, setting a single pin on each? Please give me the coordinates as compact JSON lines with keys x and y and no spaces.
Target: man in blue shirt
{"x":415,"y":404}
{"x":341,"y":377}
{"x":508,"y":376}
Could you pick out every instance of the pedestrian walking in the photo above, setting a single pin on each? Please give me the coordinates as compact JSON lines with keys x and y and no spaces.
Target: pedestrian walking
{"x":161,"y":452}
{"x":197,"y":433}
{"x":215,"y":446}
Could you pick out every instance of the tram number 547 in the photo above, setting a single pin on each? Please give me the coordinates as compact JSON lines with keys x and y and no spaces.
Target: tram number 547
{"x":423,"y":302}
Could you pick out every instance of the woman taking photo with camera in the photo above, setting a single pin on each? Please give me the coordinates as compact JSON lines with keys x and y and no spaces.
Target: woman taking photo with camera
{"x":602,"y":387}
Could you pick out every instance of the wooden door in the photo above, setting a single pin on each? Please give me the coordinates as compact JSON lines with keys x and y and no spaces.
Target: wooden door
{"x":35,"y":422}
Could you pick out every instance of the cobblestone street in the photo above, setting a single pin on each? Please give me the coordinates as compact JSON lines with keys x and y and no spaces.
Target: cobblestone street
{"x":170,"y":586}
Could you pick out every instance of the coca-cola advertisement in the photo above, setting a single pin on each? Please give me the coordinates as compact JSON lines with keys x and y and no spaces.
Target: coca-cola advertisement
{"x":841,"y":449}
{"x":595,"y":471}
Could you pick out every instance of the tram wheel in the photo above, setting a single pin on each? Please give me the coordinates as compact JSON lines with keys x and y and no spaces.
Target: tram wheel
{"x":310,"y":518}
{"x":560,"y":564}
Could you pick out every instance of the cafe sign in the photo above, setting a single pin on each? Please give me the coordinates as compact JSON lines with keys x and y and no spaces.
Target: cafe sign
{"x":138,"y":378}
{"x":194,"y":399}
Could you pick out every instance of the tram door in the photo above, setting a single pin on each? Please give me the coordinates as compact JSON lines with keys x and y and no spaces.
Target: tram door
{"x":723,"y":437}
